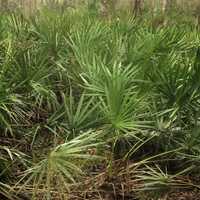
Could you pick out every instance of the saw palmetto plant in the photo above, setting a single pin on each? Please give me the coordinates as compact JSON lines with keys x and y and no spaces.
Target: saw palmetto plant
{"x":64,"y":165}
{"x":78,"y":90}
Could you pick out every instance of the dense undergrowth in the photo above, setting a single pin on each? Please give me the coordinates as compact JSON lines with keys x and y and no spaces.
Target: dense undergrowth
{"x":91,"y":104}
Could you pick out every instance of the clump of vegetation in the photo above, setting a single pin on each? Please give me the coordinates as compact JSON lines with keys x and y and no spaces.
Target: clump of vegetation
{"x":98,"y":107}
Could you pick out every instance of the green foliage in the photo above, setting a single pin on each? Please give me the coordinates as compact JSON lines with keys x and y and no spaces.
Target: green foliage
{"x":74,"y":116}
{"x":84,"y":79}
{"x":63,"y":165}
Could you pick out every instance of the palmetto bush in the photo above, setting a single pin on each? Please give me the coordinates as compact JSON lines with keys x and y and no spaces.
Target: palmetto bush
{"x":83,"y":80}
{"x":64,"y":165}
